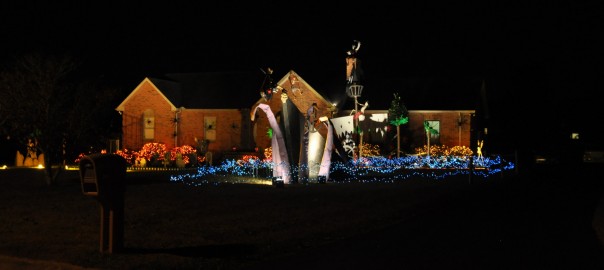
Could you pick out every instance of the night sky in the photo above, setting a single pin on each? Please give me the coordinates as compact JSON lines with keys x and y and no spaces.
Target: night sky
{"x":539,"y":59}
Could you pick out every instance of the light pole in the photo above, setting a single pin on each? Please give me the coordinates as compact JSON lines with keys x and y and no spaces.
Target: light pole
{"x":353,"y":86}
{"x":354,"y":91}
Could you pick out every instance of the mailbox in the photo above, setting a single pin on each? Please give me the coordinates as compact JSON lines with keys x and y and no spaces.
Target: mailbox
{"x":102,"y":174}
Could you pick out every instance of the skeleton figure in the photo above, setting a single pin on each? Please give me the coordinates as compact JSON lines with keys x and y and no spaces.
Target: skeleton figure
{"x":349,"y":145}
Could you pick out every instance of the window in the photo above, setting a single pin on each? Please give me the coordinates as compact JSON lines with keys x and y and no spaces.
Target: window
{"x":148,"y":125}
{"x":210,"y":127}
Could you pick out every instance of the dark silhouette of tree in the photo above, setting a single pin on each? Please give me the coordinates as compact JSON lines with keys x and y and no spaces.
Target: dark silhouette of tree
{"x":398,"y":115}
{"x":92,"y":118}
{"x":46,"y":99}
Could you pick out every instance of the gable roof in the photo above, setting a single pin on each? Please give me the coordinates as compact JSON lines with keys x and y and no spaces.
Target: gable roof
{"x":169,"y":91}
{"x":216,"y":90}
{"x":306,"y":86}
{"x":285,"y":83}
{"x":206,"y":90}
{"x":240,"y":89}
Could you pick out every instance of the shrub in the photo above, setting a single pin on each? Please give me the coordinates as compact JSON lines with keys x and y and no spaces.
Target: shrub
{"x":443,"y":150}
{"x":156,"y":154}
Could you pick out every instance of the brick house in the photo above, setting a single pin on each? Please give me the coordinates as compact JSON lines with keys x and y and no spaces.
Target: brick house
{"x":455,"y":128}
{"x":177,"y":110}
{"x":183,"y":107}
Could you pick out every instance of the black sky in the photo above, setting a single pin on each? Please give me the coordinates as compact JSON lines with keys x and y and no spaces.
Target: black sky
{"x":535,"y":57}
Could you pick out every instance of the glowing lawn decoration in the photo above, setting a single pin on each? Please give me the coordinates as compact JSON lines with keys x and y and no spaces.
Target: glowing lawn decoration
{"x":280,"y":159}
{"x":326,"y":160}
{"x":364,"y":170}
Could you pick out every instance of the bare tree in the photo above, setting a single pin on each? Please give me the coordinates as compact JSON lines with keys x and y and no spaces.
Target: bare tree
{"x":45,"y":100}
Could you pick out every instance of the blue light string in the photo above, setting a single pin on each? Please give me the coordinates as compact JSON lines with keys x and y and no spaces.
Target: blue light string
{"x":363,"y":170}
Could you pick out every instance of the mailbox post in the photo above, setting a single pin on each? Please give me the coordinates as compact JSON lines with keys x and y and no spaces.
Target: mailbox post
{"x":103,"y":176}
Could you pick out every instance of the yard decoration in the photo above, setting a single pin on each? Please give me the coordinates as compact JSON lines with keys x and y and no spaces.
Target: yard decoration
{"x":326,"y":160}
{"x":479,"y":149}
{"x":268,"y":86}
{"x":353,"y":70}
{"x":280,"y":159}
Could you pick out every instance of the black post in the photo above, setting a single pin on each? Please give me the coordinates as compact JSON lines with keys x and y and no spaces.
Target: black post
{"x":103,"y":176}
{"x":112,"y":217}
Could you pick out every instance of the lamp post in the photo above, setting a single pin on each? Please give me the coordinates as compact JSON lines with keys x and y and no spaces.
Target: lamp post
{"x":354,"y":91}
{"x":353,"y":86}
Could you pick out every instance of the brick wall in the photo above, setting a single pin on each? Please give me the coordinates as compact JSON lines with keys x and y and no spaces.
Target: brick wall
{"x":145,"y":98}
{"x":234,"y":128}
{"x":231,"y":129}
{"x":449,"y":128}
{"x":232,"y":125}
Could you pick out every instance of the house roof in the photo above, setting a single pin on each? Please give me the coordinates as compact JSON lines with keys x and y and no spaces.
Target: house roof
{"x":213,"y":90}
{"x":285,"y":83}
{"x":170,"y":91}
{"x":241,"y":89}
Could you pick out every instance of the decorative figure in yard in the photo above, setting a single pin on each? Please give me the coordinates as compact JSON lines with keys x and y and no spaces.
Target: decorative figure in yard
{"x":268,"y":86}
{"x":326,"y":159}
{"x":280,"y":158}
{"x":284,"y":96}
{"x":353,"y":69}
{"x":311,"y":117}
{"x":361,"y":114}
{"x":349,"y":145}
{"x":479,"y":149}
{"x":31,"y":158}
{"x":293,"y":81}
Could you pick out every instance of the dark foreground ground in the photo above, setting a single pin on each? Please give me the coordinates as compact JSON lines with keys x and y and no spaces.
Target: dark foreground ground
{"x":541,"y":218}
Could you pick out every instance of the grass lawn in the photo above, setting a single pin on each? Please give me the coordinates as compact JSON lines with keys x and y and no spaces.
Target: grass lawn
{"x":220,"y":225}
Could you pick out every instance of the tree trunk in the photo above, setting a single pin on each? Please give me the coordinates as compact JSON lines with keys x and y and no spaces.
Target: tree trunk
{"x":49,"y":177}
{"x":428,"y":143}
{"x":398,"y":141}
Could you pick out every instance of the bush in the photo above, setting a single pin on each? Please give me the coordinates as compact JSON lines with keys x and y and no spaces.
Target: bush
{"x":157,"y":155}
{"x":443,"y":150}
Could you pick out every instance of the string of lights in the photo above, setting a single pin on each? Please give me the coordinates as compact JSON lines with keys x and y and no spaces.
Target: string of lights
{"x":362,"y":170}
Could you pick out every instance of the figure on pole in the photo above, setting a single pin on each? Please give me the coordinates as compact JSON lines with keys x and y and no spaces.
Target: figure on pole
{"x":354,"y":88}
{"x":353,"y":64}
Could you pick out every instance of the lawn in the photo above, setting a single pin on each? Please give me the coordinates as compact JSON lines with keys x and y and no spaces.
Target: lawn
{"x":216,"y":225}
